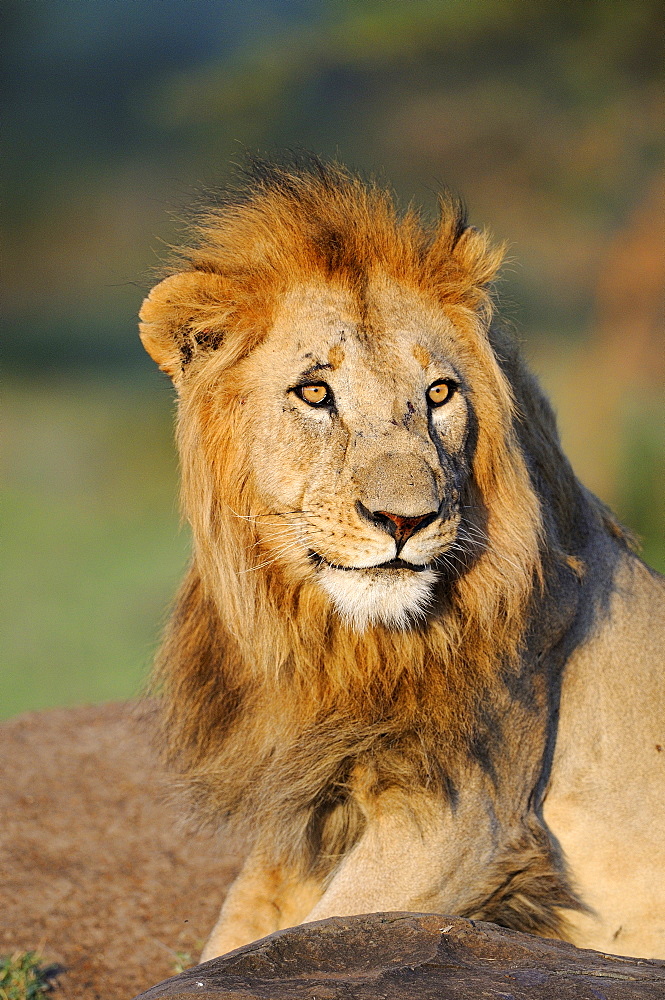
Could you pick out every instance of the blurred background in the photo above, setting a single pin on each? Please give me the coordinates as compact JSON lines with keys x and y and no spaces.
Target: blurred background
{"x":118,"y":114}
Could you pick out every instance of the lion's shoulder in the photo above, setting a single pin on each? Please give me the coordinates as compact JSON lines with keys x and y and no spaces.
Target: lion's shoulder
{"x":615,"y":672}
{"x":610,"y":746}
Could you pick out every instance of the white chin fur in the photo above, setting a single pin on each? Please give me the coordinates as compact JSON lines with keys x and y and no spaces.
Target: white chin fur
{"x":395,"y":598}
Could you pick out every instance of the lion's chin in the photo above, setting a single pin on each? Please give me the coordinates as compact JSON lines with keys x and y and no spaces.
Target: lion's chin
{"x":396,"y":598}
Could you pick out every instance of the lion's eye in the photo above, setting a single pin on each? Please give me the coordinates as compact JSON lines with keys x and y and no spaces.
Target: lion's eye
{"x":441,"y":392}
{"x":317,"y":394}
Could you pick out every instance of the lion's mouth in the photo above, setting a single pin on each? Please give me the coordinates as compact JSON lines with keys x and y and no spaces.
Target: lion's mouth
{"x":392,"y":564}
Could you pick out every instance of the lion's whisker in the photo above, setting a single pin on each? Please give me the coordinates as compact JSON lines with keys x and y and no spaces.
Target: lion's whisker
{"x":473,"y":528}
{"x":291,"y":531}
{"x":256,"y":517}
{"x":449,"y":555}
{"x":294,"y":532}
{"x":277,"y":554}
{"x":476,"y":534}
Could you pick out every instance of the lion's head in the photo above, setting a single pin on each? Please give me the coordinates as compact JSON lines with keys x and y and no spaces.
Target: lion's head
{"x":347,"y":431}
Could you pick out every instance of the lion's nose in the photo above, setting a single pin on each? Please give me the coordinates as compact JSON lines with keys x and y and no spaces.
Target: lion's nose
{"x":401,"y":528}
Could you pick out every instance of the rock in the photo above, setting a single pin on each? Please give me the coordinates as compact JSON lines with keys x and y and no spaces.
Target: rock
{"x":413,"y":956}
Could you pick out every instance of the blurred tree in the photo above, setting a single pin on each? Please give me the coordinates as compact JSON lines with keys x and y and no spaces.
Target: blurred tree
{"x":546,"y":116}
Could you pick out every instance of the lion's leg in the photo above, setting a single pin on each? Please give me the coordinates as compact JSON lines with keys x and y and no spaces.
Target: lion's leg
{"x":264,"y":898}
{"x":391,"y":868}
{"x":411,"y":856}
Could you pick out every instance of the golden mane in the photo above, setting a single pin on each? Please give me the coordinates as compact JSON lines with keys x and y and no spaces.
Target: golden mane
{"x":270,"y":701}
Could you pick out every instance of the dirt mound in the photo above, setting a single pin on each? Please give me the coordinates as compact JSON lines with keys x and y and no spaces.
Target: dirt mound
{"x":96,"y":871}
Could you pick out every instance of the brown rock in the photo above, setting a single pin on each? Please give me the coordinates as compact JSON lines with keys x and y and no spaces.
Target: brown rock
{"x":411,"y":956}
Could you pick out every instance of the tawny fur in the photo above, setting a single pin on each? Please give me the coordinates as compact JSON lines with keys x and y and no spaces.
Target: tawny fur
{"x":277,"y":714}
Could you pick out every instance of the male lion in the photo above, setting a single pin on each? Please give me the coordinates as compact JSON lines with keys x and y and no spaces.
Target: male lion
{"x":414,"y":661}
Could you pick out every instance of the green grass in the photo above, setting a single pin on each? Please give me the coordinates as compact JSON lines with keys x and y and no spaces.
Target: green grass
{"x":183,"y":960}
{"x":92,"y":550}
{"x":23,"y":977}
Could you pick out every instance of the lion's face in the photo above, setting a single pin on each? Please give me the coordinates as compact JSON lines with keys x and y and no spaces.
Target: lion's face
{"x":359,"y":420}
{"x":340,"y":392}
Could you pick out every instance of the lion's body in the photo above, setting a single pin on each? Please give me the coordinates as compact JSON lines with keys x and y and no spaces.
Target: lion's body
{"x":414,"y":662}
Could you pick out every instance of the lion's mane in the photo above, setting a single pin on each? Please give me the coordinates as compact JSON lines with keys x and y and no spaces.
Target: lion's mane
{"x":270,"y":703}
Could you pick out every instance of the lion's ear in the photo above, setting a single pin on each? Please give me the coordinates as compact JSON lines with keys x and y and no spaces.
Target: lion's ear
{"x":181,"y":317}
{"x":463,"y":260}
{"x":479,"y":258}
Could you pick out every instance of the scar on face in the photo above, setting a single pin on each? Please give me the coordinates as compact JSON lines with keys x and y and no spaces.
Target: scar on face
{"x":335,"y":356}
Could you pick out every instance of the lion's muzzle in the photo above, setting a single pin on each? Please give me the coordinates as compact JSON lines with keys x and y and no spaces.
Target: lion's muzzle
{"x":397,"y":525}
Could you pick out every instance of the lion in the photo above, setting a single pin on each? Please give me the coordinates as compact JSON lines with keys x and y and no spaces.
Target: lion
{"x":415,"y":664}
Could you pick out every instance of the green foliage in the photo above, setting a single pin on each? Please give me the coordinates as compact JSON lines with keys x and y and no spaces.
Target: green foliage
{"x":183,"y":960}
{"x":23,"y":977}
{"x":642,"y":480}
